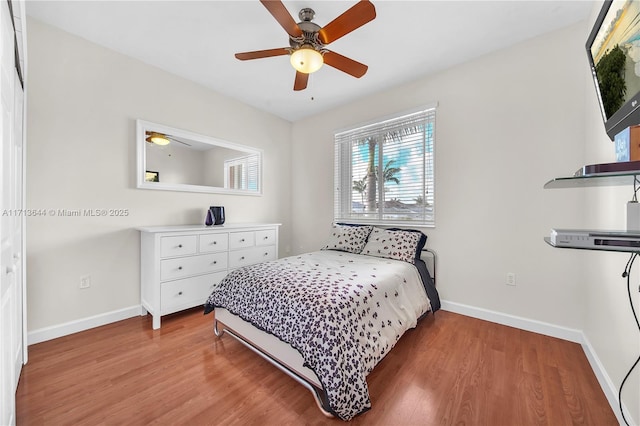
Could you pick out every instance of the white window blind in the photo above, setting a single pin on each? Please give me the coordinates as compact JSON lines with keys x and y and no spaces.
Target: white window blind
{"x":241,"y":173}
{"x":384,"y":172}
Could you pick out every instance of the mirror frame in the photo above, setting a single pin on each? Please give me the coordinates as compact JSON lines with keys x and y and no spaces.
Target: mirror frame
{"x":143,"y":126}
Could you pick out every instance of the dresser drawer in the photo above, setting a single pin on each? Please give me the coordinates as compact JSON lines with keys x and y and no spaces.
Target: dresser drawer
{"x":171,"y":269}
{"x":250,"y":256}
{"x":241,"y":239}
{"x":177,"y":246}
{"x":265,"y":238}
{"x":189,"y":292}
{"x":214,"y":242}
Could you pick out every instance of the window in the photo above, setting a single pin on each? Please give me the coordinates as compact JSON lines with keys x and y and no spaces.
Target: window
{"x":392,"y":161}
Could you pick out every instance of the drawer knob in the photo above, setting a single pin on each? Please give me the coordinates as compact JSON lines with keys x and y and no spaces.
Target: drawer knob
{"x":179,"y":268}
{"x":179,"y":293}
{"x":266,"y":238}
{"x":214,"y":243}
{"x":242,"y":258}
{"x":179,"y":245}
{"x":215,"y":261}
{"x":242,"y":240}
{"x":266,"y":253}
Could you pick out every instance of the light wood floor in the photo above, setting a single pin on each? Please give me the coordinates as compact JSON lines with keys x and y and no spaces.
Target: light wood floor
{"x":451,"y":369}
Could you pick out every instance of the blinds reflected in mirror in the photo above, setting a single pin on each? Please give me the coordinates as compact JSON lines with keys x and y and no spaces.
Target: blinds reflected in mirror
{"x":241,"y":173}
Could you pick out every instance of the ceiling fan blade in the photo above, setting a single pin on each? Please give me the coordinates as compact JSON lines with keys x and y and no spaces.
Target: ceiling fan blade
{"x":345,"y":64}
{"x":301,"y":81}
{"x":355,"y":17}
{"x":282,"y":15}
{"x":257,"y":54}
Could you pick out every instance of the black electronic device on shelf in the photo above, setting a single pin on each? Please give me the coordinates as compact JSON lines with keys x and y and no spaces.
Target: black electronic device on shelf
{"x":601,"y":169}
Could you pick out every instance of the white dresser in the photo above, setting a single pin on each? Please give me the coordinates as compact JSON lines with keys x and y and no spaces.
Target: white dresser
{"x":180,"y":265}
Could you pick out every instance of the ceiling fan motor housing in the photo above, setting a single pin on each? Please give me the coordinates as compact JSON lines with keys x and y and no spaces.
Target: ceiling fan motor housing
{"x":309,"y":30}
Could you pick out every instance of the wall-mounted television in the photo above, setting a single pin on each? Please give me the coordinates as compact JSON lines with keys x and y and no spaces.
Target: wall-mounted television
{"x":613,"y":49}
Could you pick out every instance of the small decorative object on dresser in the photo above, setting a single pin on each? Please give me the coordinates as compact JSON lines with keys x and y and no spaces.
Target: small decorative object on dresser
{"x":215,"y":216}
{"x":180,"y":265}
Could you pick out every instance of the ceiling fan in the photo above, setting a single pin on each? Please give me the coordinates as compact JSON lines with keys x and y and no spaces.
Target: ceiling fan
{"x":162,"y":139}
{"x":308,"y":40}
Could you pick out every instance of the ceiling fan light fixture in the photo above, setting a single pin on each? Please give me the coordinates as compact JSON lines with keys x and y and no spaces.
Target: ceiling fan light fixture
{"x":306,"y":60}
{"x":158,"y":139}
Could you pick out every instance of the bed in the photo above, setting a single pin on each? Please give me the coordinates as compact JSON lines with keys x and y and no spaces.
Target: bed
{"x":328,"y":317}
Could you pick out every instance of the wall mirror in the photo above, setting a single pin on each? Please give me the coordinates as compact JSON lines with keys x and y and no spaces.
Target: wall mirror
{"x":178,"y":160}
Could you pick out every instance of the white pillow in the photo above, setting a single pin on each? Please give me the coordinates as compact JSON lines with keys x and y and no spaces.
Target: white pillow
{"x":398,"y":245}
{"x":348,"y":238}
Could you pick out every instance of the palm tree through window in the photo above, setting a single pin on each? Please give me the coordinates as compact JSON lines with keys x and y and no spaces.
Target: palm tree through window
{"x":384,"y":172}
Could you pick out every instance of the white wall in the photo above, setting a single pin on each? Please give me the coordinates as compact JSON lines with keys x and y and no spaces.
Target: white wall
{"x":506,"y":124}
{"x":83,"y":102}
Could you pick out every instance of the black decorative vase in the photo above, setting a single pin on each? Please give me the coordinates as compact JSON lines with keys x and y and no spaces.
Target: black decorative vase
{"x":215,"y":216}
{"x":209,"y":219}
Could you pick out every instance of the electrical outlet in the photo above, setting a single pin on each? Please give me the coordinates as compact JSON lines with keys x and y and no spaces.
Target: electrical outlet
{"x":85,"y":281}
{"x":511,"y":278}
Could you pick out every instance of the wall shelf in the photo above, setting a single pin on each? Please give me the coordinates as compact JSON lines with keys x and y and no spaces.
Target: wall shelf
{"x":614,"y":179}
{"x":594,"y":180}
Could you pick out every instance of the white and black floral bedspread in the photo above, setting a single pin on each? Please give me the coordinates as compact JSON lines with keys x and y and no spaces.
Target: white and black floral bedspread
{"x":343,"y":312}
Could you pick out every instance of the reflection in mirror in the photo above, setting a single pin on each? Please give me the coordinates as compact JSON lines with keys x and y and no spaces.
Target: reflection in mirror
{"x":179,"y":160}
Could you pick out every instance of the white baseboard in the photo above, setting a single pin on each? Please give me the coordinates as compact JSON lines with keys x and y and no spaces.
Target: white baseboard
{"x":570,"y":334}
{"x":55,"y":331}
{"x":609,"y":389}
{"x":535,"y":326}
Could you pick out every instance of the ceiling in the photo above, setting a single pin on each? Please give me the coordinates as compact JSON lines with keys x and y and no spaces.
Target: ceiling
{"x":407,"y":40}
